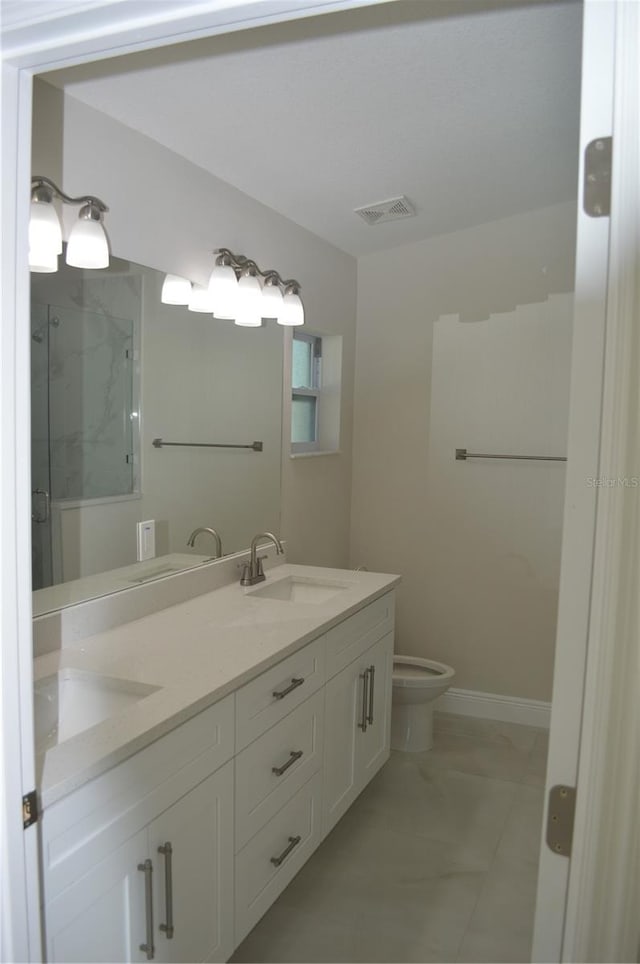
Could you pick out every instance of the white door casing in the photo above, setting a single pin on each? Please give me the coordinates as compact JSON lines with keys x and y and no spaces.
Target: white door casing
{"x":587,"y":907}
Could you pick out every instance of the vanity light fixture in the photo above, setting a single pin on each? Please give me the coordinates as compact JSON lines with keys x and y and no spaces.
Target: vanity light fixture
{"x":87,"y":246}
{"x":234,"y":293}
{"x":200,"y":299}
{"x":175,"y":290}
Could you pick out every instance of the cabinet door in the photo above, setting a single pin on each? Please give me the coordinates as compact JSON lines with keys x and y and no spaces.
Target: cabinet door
{"x":374,"y":743}
{"x":199,"y":830}
{"x":101,"y":917}
{"x":344,"y":695}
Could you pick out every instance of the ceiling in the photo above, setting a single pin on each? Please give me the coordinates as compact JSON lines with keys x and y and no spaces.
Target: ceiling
{"x":470,"y":108}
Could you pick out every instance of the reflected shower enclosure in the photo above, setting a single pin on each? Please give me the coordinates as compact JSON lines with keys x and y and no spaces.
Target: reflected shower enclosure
{"x":84,"y":405}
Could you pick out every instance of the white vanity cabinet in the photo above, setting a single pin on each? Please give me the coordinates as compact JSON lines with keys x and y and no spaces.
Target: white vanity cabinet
{"x":105,"y":877}
{"x":204,"y":828}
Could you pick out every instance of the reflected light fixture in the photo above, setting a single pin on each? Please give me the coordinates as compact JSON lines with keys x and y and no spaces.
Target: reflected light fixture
{"x":87,"y":246}
{"x":175,"y":290}
{"x":235,"y":293}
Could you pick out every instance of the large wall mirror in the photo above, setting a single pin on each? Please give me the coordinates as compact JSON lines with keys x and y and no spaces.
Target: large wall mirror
{"x":113,"y":369}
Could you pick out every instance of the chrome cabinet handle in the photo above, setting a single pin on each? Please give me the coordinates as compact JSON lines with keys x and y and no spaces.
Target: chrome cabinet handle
{"x":372,"y":673}
{"x":280,"y":694}
{"x":167,"y":851}
{"x":147,"y":870}
{"x":363,"y":720}
{"x":293,"y":756}
{"x":293,"y":842}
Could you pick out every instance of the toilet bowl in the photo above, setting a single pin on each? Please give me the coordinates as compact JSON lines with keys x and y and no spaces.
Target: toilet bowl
{"x":416,"y":684}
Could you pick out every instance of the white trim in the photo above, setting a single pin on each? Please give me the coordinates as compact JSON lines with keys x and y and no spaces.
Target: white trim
{"x":602,"y":921}
{"x":494,"y":706}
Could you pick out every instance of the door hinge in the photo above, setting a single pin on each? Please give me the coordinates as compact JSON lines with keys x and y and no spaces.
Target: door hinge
{"x":29,"y":809}
{"x":560,"y":816}
{"x":597,"y":177}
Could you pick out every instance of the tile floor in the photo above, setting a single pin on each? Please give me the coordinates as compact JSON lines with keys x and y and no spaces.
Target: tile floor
{"x":435,"y":861}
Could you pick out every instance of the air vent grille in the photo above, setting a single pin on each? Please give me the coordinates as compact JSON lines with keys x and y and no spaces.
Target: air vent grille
{"x":392,"y":209}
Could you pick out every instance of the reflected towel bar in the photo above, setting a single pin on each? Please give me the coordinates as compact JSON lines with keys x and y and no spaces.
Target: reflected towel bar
{"x":159,"y":443}
{"x":462,"y":455}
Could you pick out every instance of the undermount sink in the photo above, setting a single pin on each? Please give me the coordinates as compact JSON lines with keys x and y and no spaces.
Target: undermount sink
{"x":300,"y":590}
{"x":72,"y":700}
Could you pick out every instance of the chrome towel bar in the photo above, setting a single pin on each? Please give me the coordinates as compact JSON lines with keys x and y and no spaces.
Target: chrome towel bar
{"x":462,"y":455}
{"x":159,"y":443}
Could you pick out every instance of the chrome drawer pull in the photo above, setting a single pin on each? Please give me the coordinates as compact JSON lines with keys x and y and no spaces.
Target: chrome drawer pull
{"x":147,"y":870}
{"x":280,"y":694}
{"x":363,"y":720}
{"x":293,"y":756}
{"x":293,"y":842}
{"x":167,"y":851}
{"x":372,"y":673}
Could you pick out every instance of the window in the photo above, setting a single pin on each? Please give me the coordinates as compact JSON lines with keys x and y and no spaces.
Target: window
{"x":306,"y":383}
{"x":316,"y":375}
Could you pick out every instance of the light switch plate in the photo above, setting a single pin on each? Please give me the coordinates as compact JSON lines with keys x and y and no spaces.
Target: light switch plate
{"x":146,"y":538}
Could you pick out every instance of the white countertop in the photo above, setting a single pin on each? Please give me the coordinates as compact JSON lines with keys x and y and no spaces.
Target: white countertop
{"x":196,"y":652}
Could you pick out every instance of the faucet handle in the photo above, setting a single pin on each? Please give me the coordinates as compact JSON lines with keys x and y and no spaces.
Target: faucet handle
{"x":259,"y":569}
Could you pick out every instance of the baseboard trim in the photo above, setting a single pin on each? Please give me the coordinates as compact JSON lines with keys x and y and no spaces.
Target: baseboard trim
{"x":493,"y":706}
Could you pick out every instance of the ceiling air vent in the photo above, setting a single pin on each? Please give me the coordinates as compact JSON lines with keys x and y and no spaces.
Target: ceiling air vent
{"x":392,"y":209}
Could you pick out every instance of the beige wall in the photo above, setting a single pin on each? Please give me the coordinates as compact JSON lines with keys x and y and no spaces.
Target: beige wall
{"x":170,"y":215}
{"x":397,"y":524}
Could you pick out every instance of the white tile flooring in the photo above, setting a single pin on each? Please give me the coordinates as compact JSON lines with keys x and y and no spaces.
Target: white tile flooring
{"x":435,"y":861}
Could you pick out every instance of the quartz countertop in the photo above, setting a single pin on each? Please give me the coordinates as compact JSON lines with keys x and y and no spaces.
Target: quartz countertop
{"x":196,"y":653}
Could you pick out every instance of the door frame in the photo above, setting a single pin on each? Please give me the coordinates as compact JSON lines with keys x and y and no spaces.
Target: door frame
{"x":70,"y":34}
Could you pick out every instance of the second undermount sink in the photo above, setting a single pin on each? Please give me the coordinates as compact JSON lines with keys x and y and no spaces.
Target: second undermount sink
{"x":72,"y":700}
{"x":299,"y":589}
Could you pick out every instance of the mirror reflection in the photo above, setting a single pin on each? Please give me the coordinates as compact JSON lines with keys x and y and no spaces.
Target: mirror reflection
{"x":112,"y":369}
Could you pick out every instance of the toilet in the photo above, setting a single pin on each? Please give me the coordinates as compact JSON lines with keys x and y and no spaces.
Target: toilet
{"x":416,"y":684}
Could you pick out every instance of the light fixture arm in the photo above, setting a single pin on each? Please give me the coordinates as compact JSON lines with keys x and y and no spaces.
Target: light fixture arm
{"x":54,"y":191}
{"x":240,"y":262}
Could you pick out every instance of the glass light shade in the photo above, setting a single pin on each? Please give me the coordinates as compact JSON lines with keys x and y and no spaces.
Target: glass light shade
{"x":87,"y":246}
{"x":45,"y":233}
{"x":249,"y":297}
{"x":42,"y":260}
{"x":271,"y":302}
{"x":292,"y":310}
{"x":223,"y":289}
{"x":248,"y":319}
{"x":200,"y":299}
{"x":175,"y":290}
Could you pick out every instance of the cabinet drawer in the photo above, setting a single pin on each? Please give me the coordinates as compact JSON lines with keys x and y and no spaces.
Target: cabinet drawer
{"x":258,"y":879}
{"x":266,"y":700}
{"x":349,"y":639}
{"x":83,"y":828}
{"x":276,"y":765}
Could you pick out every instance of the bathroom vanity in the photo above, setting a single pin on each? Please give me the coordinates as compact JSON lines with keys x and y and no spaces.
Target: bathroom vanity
{"x":247,"y":721}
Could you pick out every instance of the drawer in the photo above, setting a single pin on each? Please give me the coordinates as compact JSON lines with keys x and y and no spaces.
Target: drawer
{"x":266,"y":700}
{"x":83,"y":828}
{"x":258,"y":879}
{"x":349,"y":639}
{"x":276,"y":765}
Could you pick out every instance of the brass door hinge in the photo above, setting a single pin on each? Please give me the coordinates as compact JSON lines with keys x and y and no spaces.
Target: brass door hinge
{"x":29,"y":809}
{"x":560,"y":816}
{"x":597,"y":177}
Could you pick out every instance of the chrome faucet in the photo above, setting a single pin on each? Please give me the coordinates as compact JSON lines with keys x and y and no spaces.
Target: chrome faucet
{"x":252,"y":571}
{"x":191,"y":541}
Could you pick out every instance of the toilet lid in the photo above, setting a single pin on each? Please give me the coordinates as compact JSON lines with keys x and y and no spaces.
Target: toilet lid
{"x":408,"y":671}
